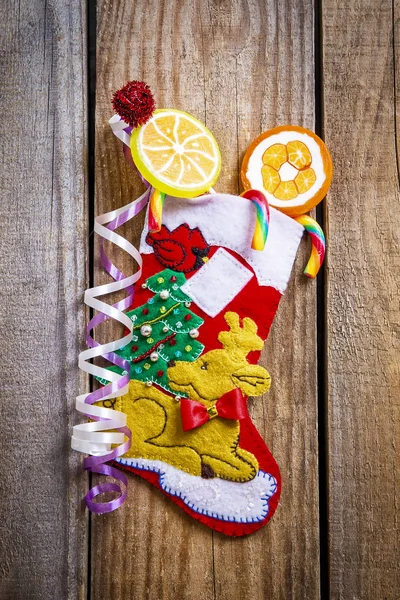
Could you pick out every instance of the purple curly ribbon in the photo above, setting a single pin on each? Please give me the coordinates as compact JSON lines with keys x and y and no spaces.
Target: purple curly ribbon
{"x":97,"y":464}
{"x":91,"y":438}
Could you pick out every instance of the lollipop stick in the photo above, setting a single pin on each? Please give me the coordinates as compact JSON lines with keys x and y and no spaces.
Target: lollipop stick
{"x":155,"y":210}
{"x":318,"y":245}
{"x":262,"y":218}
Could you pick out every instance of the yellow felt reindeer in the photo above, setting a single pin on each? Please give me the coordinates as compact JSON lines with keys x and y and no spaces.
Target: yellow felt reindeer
{"x":210,"y":449}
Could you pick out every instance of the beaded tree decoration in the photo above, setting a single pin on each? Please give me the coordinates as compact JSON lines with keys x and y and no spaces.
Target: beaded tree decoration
{"x":164,"y":329}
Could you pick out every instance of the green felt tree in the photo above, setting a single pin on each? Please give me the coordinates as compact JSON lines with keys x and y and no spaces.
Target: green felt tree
{"x":164,"y":329}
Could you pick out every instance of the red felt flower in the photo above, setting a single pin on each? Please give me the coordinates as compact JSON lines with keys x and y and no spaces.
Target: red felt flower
{"x":182,"y":249}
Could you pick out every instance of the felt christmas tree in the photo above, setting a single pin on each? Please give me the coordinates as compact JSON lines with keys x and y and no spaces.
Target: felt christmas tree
{"x":165,"y":329}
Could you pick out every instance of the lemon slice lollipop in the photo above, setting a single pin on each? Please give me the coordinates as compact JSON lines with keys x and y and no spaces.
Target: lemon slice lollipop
{"x":172,"y":150}
{"x":176,"y":153}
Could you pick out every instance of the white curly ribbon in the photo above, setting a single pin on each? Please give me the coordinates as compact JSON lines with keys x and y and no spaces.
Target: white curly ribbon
{"x":119,"y":126}
{"x":97,"y":438}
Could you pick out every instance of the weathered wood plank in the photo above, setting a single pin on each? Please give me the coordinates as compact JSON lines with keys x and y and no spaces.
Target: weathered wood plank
{"x":241,"y":68}
{"x":146,"y":549}
{"x":363,"y":314}
{"x":260,"y":73}
{"x":43,"y":216}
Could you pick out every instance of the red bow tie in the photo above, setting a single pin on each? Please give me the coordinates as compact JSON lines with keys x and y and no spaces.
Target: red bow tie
{"x":230,"y":406}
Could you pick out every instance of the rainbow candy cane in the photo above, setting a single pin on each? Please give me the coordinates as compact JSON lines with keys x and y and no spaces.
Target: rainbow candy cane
{"x":318,"y":245}
{"x":155,"y":210}
{"x":262,"y":218}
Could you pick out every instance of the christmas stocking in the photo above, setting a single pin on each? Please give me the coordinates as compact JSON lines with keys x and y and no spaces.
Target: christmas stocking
{"x":202,"y":311}
{"x":214,"y":270}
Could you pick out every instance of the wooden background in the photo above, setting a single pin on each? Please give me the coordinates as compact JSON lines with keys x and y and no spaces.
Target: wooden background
{"x":332,"y":419}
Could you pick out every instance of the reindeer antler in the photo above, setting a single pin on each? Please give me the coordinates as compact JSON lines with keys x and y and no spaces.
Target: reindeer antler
{"x":239,"y":341}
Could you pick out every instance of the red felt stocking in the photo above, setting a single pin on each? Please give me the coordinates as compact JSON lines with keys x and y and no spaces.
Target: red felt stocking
{"x":201,"y":312}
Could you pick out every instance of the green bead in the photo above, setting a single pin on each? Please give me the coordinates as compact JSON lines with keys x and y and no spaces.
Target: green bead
{"x":160,"y":280}
{"x":188,"y":348}
{"x":150,"y":340}
{"x":146,"y":366}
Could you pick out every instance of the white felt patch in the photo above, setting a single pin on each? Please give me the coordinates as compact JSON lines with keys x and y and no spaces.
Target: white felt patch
{"x":227,"y":220}
{"x":217,"y":282}
{"x":225,"y":500}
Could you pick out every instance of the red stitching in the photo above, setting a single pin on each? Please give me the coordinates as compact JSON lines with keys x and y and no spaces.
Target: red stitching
{"x":146,"y":354}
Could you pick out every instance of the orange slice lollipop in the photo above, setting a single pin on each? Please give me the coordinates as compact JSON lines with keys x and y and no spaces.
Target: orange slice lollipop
{"x":291,"y":165}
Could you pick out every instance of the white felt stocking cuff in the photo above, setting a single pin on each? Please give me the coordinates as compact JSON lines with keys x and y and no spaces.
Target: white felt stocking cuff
{"x":228,"y":221}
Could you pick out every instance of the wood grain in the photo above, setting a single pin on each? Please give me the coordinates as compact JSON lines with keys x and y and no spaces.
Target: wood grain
{"x":43,"y":216}
{"x":363,"y":298}
{"x":241,"y":67}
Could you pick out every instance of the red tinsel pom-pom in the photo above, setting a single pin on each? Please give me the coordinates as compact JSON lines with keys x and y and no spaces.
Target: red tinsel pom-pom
{"x":134,"y":103}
